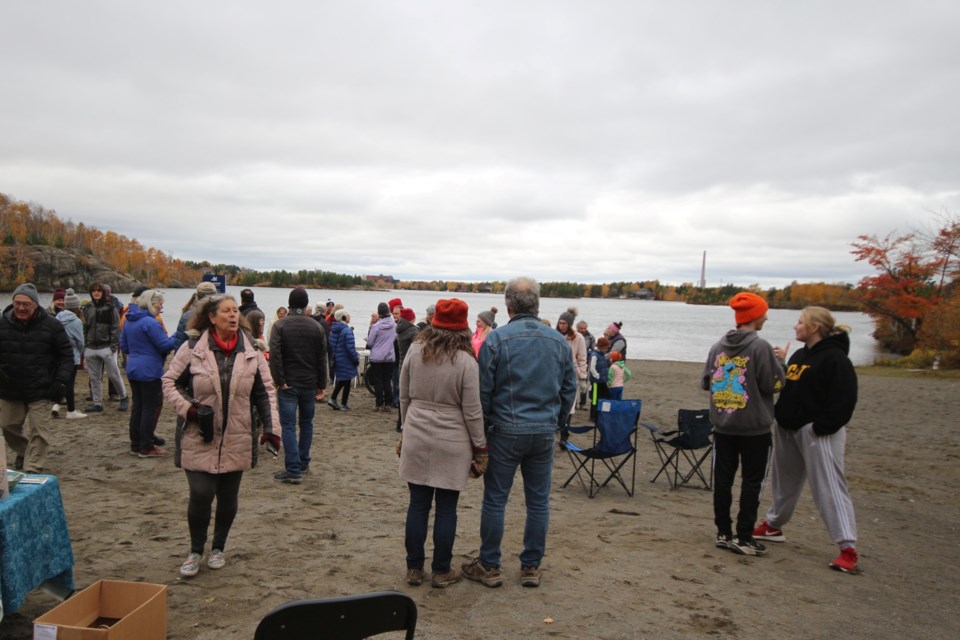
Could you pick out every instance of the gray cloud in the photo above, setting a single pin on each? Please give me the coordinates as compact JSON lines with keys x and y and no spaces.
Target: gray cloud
{"x":458,"y":140}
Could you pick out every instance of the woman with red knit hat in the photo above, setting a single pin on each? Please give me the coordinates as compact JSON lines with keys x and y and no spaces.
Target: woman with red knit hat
{"x":443,"y":440}
{"x":742,"y":374}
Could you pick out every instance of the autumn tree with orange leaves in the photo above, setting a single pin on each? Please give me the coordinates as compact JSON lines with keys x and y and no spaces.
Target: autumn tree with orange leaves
{"x":913,"y":294}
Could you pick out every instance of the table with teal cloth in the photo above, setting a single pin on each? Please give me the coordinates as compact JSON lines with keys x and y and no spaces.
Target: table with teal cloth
{"x":34,"y":542}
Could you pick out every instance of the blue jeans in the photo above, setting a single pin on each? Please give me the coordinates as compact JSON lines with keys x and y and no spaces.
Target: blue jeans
{"x":444,"y":526}
{"x":296,"y":452}
{"x":533,"y":453}
{"x":616,"y":393}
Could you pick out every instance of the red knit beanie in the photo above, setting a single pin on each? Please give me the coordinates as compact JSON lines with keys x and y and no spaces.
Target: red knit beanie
{"x":59,"y":294}
{"x":616,"y":356}
{"x":396,"y":302}
{"x":408,"y":314}
{"x":748,"y":307}
{"x":451,"y":314}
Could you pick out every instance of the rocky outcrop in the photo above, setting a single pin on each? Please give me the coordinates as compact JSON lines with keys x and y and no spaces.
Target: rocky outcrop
{"x":55,"y":268}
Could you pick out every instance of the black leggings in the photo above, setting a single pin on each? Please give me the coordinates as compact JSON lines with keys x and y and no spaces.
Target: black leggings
{"x":382,"y":373}
{"x":345,"y":386}
{"x":203,"y":487}
{"x":69,"y":390}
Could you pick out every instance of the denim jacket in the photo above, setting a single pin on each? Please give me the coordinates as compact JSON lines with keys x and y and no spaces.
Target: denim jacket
{"x":527,"y":380}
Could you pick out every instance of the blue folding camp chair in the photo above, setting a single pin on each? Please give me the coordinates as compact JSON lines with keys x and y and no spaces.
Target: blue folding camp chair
{"x":614,"y":446}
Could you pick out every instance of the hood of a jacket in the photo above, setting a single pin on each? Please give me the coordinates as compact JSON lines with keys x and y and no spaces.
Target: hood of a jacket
{"x":737,"y":340}
{"x":136,"y":313}
{"x":836,"y":341}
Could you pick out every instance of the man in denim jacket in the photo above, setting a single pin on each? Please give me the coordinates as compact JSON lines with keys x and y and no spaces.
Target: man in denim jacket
{"x":527,"y":387}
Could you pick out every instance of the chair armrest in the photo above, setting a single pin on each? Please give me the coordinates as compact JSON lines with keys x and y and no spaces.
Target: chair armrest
{"x":657,"y":430}
{"x":583,"y":429}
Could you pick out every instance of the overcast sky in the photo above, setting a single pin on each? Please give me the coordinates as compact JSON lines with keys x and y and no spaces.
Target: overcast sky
{"x":588,"y":141}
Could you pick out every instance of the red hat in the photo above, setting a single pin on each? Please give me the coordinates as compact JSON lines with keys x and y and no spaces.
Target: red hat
{"x":408,"y":314}
{"x":396,"y":302}
{"x":451,"y":314}
{"x":59,"y":294}
{"x":616,"y":356}
{"x":748,"y":307}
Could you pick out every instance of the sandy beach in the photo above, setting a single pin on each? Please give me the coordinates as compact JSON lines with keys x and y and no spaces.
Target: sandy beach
{"x":617,"y":567}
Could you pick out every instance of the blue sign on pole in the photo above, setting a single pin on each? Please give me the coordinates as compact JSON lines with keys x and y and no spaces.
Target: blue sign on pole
{"x":219,"y":280}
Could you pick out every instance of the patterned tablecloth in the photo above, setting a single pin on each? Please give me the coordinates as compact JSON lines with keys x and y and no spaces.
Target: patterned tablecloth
{"x":34,"y":542}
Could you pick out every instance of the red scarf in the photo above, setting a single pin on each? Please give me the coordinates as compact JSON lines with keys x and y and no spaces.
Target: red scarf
{"x":226,"y":347}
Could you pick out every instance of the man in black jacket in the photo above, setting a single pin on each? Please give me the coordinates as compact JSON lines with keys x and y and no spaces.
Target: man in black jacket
{"x":35,"y":362}
{"x":298,"y":364}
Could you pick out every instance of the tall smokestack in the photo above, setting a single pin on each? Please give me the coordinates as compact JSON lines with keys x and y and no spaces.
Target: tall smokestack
{"x":703,"y":272}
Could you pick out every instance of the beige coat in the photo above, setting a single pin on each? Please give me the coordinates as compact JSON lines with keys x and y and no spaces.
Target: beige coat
{"x":234,"y":446}
{"x":442,"y":420}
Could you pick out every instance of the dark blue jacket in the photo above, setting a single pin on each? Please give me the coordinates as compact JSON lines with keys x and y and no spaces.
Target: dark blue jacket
{"x":343,"y":350}
{"x":145,"y":344}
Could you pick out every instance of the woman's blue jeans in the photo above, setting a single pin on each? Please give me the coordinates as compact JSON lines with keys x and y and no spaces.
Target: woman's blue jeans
{"x":444,"y":526}
{"x":533,"y":453}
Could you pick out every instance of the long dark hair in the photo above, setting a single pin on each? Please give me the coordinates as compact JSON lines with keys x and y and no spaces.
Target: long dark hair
{"x":441,"y":344}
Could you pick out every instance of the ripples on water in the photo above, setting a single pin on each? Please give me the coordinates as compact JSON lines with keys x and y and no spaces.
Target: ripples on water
{"x":654,"y":330}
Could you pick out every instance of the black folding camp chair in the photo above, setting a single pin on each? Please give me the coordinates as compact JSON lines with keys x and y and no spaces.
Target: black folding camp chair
{"x":343,"y":618}
{"x":689,"y":445}
{"x":614,"y":445}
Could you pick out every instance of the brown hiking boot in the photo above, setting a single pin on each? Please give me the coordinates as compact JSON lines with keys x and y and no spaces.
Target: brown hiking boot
{"x":474,"y":570}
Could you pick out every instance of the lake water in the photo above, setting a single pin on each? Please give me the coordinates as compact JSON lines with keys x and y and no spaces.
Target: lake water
{"x":654,"y":330}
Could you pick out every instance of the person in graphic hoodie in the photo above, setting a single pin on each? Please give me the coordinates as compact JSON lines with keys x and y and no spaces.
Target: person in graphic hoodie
{"x":814,"y":408}
{"x":742,"y":374}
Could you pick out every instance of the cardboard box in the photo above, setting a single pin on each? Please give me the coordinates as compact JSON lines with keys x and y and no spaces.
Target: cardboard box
{"x":108,"y":610}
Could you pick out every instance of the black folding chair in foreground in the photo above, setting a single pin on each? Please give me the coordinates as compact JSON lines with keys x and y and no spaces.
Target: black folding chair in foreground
{"x":614,"y":446}
{"x":689,"y":442}
{"x":344,"y":618}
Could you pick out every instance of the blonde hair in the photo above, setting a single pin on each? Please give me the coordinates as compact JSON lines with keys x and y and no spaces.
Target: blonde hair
{"x":824,"y":320}
{"x":150,"y":300}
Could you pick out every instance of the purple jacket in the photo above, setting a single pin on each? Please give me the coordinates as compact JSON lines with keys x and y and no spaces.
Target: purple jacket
{"x":380,"y":339}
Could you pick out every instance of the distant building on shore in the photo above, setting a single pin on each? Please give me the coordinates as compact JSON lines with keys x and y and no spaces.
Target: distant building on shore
{"x":382,"y":279}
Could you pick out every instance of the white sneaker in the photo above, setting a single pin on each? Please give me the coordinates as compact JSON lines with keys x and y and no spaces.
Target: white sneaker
{"x":55,"y":411}
{"x":191,"y":565}
{"x":216,"y":560}
{"x":75,"y":415}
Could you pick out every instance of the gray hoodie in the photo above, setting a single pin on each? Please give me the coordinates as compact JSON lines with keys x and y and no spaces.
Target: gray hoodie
{"x":742,"y":374}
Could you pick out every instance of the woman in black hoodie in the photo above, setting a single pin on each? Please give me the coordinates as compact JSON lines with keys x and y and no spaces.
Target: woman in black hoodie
{"x":814,"y":408}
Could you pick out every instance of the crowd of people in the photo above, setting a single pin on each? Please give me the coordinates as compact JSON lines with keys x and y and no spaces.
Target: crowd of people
{"x":483,"y":404}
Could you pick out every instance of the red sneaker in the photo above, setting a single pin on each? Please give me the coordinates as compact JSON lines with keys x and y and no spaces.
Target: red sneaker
{"x":152,"y":453}
{"x":765,"y":532}
{"x":846,"y":561}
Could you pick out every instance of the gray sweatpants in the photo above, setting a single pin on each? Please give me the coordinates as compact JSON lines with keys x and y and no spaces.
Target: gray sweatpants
{"x":800,"y":455}
{"x":96,"y":361}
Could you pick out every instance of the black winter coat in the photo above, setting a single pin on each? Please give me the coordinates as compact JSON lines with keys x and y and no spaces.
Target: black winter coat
{"x":32,"y":356}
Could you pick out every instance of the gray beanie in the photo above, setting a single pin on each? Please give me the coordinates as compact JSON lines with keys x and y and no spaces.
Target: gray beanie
{"x":569,"y":316}
{"x":431,"y":309}
{"x":488,"y":317}
{"x":71,"y":300}
{"x":205,"y":289}
{"x":29,"y":290}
